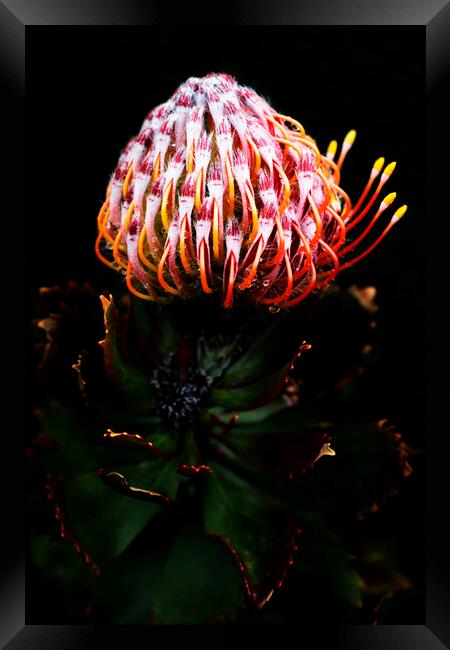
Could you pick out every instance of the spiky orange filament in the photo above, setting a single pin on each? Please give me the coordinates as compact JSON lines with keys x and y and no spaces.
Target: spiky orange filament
{"x":102,"y":212}
{"x":328,"y":191}
{"x":331,"y":274}
{"x":254,"y":209}
{"x":308,"y":142}
{"x":280,"y":250}
{"x":102,"y":220}
{"x":288,"y":143}
{"x":161,"y":280}
{"x":373,"y":174}
{"x":383,"y":205}
{"x":198,"y":190}
{"x":384,"y":177}
{"x":127,"y":180}
{"x":190,"y":159}
{"x":230,"y":185}
{"x":317,"y":220}
{"x":333,"y":169}
{"x":145,"y":261}
{"x":290,"y":281}
{"x":346,"y":146}
{"x":100,"y":255}
{"x":231,"y":277}
{"x":165,"y":198}
{"x":249,"y":279}
{"x":122,"y":230}
{"x":156,"y":166}
{"x":184,"y":260}
{"x":306,"y":248}
{"x":139,"y":294}
{"x":342,"y":229}
{"x":215,"y":233}
{"x":103,"y":234}
{"x":305,"y":292}
{"x":203,"y":275}
{"x":397,"y":216}
{"x":278,"y":125}
{"x":286,"y":188}
{"x":287,"y":118}
{"x":256,"y":155}
{"x":347,"y":202}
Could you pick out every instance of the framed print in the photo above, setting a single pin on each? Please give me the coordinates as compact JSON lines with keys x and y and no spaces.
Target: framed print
{"x":231,"y":362}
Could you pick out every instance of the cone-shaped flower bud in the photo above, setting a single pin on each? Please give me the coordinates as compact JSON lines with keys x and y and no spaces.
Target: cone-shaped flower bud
{"x":220,"y":193}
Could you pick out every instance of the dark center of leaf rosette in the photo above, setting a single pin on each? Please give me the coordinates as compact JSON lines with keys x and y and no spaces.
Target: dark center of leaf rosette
{"x":180,"y":391}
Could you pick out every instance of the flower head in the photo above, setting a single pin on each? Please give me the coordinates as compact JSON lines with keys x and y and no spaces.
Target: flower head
{"x":219,"y":192}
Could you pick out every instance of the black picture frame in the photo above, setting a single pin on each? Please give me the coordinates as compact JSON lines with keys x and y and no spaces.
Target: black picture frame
{"x":434,"y":16}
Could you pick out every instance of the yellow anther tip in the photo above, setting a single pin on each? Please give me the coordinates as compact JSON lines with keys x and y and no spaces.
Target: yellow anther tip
{"x":400,"y":212}
{"x":350,"y":137}
{"x":378,"y":166}
{"x":390,"y":168}
{"x":332,"y":147}
{"x":389,"y":198}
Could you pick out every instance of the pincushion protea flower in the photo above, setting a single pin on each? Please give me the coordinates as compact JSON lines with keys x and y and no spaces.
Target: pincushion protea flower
{"x":218,"y":190}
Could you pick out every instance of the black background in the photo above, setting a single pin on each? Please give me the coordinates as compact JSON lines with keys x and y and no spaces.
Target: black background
{"x":89,"y":90}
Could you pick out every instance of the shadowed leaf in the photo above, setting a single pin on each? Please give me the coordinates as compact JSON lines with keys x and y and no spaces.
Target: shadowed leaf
{"x":325,"y":560}
{"x":135,"y":385}
{"x":103,"y":521}
{"x":271,"y":353}
{"x":187,"y":580}
{"x":278,"y":452}
{"x":261,"y":537}
{"x":251,"y":395}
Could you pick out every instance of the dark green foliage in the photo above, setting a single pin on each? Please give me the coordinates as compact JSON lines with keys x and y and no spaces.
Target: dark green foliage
{"x":184,"y":455}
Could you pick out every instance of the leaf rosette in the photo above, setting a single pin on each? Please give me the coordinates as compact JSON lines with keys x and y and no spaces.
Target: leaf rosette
{"x":178,"y":438}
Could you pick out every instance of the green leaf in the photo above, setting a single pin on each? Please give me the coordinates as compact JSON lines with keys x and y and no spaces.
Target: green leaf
{"x":371,"y":460}
{"x":125,"y":591}
{"x":58,"y":569}
{"x":103,"y":521}
{"x":285,"y":442}
{"x":77,"y":444}
{"x":324,"y":560}
{"x":154,"y":329}
{"x":370,"y":463}
{"x":214,"y":354}
{"x":161,"y":443}
{"x":258,"y":375}
{"x":271,"y":351}
{"x":188,"y":580}
{"x":338,"y":351}
{"x":192,"y":461}
{"x":200,"y":581}
{"x":285,"y":419}
{"x":260,"y":536}
{"x":279,"y":452}
{"x":72,"y":440}
{"x":253,"y":395}
{"x":133,"y":382}
{"x":260,"y":414}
